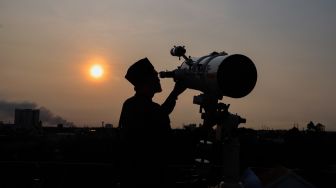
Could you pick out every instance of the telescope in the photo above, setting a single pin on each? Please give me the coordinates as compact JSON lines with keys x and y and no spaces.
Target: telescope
{"x":218,"y":73}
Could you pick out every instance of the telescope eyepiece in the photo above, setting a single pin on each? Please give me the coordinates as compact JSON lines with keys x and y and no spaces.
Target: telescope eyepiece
{"x":242,"y":120}
{"x":167,"y":74}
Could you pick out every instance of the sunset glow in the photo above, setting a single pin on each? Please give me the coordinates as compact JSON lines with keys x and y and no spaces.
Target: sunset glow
{"x":72,"y":56}
{"x":96,"y":68}
{"x":96,"y":71}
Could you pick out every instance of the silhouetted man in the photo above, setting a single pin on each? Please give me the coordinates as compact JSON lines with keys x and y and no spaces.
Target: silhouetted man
{"x":145,"y":127}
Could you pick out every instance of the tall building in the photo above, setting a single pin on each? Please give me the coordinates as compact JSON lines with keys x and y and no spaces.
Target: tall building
{"x":27,"y":118}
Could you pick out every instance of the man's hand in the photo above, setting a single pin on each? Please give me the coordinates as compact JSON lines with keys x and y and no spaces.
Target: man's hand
{"x":170,"y":102}
{"x":178,"y":89}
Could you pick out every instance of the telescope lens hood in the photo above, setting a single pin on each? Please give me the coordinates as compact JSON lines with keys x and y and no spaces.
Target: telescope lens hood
{"x":237,"y":76}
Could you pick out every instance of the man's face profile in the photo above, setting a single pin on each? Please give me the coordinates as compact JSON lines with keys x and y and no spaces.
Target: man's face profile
{"x":144,"y":77}
{"x":155,"y":82}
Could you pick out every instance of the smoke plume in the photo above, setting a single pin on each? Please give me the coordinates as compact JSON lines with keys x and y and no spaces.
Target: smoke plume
{"x":7,"y":110}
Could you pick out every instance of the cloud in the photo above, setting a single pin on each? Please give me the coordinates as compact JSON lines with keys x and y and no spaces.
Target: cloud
{"x":7,"y":109}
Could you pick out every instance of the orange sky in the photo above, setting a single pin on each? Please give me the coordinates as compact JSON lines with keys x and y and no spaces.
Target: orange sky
{"x":46,"y":49}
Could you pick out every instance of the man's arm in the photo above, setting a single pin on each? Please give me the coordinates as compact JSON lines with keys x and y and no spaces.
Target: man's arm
{"x":169,"y":104}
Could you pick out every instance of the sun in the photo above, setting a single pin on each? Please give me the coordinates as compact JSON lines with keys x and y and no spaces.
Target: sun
{"x":96,"y":71}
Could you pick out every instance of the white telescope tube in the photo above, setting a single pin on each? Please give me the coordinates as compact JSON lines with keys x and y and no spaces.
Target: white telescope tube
{"x":218,"y":74}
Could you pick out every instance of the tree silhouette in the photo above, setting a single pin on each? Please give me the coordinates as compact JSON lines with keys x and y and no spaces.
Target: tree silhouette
{"x":311,"y":126}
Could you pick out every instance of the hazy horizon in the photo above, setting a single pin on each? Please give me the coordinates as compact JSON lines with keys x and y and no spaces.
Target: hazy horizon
{"x":47,"y":48}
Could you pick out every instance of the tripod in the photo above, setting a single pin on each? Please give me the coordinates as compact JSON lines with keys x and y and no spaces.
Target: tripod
{"x":216,"y":114}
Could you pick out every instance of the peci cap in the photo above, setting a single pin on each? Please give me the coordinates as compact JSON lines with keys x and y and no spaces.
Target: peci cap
{"x":140,"y":72}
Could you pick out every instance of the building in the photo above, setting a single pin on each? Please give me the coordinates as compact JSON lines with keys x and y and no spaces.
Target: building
{"x":27,"y":118}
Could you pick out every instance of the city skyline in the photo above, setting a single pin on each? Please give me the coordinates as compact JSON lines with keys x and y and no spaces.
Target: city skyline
{"x":48,"y":47}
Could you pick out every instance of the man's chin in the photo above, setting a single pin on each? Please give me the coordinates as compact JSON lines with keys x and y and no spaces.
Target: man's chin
{"x":159,"y":90}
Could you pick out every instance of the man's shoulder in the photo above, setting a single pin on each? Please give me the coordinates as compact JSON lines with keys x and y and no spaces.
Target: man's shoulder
{"x":139,"y":101}
{"x":130,"y":100}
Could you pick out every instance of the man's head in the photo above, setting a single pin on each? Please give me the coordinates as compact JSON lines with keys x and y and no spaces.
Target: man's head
{"x":143,"y":76}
